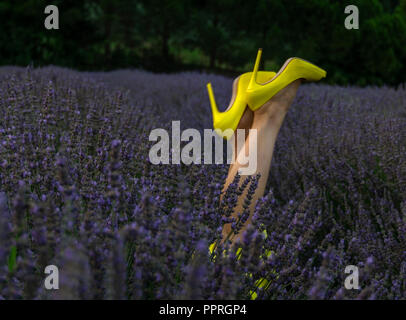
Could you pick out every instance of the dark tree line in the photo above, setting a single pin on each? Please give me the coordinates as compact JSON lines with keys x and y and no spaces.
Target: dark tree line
{"x":216,"y":35}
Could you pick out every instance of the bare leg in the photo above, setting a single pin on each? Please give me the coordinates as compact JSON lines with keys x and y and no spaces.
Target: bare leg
{"x":267,"y":120}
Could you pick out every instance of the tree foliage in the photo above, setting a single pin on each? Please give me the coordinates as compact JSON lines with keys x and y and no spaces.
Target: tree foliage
{"x":173,"y":35}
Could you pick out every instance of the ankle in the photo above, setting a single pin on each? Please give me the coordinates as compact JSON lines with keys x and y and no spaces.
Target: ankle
{"x":272,"y":113}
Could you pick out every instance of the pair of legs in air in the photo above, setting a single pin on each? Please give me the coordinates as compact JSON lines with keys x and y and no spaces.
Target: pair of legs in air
{"x":259,"y":105}
{"x":267,"y":120}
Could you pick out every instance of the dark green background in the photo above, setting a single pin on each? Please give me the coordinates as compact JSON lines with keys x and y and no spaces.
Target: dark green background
{"x":220,"y":36}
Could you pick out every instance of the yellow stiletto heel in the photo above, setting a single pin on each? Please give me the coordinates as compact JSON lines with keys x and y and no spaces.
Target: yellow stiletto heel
{"x":293,"y":69}
{"x":260,"y":283}
{"x":226,"y":122}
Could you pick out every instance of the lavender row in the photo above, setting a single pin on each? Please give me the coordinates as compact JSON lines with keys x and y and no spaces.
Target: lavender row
{"x":77,"y":191}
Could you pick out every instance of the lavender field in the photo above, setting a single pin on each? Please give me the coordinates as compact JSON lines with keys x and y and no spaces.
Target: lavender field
{"x":77,"y":191}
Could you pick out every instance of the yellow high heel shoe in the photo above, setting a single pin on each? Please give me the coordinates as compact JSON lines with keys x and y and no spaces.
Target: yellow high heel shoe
{"x":226,"y":122}
{"x":260,"y":283}
{"x":293,"y":69}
